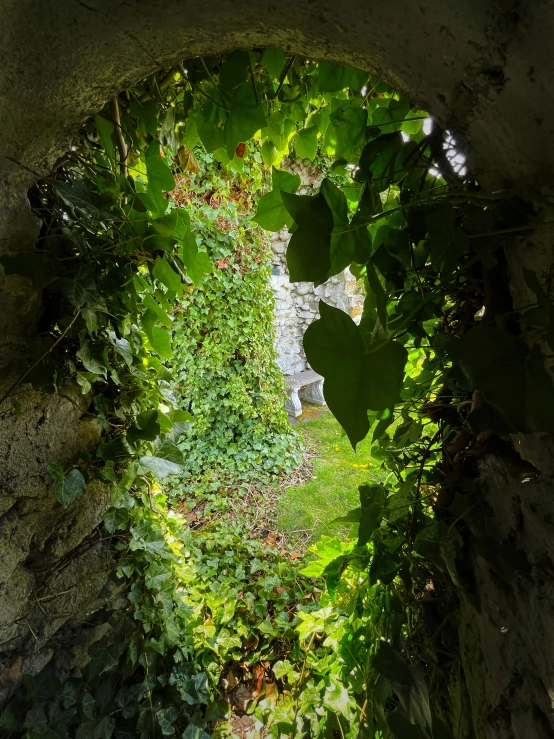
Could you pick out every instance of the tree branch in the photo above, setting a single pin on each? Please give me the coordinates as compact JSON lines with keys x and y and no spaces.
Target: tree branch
{"x":121,"y":145}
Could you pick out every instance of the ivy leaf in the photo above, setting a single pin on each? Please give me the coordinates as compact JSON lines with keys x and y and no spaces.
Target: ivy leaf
{"x":35,"y":719}
{"x":77,"y":195}
{"x":80,"y":290}
{"x":192,"y":687}
{"x":337,"y":698}
{"x":122,"y":347}
{"x":334,"y":77}
{"x":305,"y":143}
{"x":68,"y":485}
{"x":156,"y":575}
{"x":115,"y":518}
{"x":308,"y":254}
{"x":88,"y":705}
{"x":91,"y":321}
{"x":147,"y":535}
{"x":93,"y":356}
{"x":166,"y":460}
{"x":68,"y":694}
{"x":272,"y":213}
{"x":145,"y":428}
{"x":194,"y":732}
{"x":102,"y":658}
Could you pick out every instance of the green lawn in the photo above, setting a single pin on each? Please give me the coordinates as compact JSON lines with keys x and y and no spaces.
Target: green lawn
{"x":307,"y":510}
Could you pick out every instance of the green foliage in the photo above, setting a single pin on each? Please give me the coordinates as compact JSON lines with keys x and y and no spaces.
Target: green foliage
{"x":68,"y":485}
{"x":121,"y":266}
{"x":224,"y":362}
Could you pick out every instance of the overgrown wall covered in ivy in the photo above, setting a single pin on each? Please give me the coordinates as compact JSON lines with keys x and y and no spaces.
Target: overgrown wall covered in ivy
{"x":224,"y":362}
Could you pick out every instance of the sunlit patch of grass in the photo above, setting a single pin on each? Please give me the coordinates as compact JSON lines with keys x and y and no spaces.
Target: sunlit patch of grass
{"x":307,"y":510}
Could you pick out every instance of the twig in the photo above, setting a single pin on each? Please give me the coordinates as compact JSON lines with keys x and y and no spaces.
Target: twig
{"x":203,"y":63}
{"x":424,"y":458}
{"x":415,"y":270}
{"x":39,"y":360}
{"x":121,"y":145}
{"x":202,"y":92}
{"x":284,"y":73}
{"x":55,"y":595}
{"x":161,"y":86}
{"x":302,"y":676}
{"x":253,"y":81}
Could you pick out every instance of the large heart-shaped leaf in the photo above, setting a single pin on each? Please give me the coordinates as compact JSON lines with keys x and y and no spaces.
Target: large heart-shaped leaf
{"x":356,"y":380}
{"x":272,"y":213}
{"x":511,"y":376}
{"x":308,"y":254}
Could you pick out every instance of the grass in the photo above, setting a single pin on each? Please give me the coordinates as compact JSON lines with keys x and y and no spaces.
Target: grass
{"x":307,"y":510}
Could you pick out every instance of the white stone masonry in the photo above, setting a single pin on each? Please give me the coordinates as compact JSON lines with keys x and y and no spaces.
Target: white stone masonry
{"x":296,"y":304}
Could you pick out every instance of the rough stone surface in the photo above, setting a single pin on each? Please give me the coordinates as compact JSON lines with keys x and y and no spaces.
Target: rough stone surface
{"x":297,"y":303}
{"x":53,"y":562}
{"x":483,"y":68}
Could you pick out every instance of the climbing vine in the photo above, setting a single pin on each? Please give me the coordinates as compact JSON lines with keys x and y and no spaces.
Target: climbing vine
{"x":352,"y":642}
{"x":223,"y":356}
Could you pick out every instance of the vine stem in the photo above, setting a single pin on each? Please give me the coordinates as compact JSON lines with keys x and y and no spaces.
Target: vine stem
{"x":202,"y":92}
{"x":424,"y":458}
{"x":39,"y":360}
{"x":121,"y":145}
{"x":302,"y":676}
{"x":205,"y":67}
{"x":284,"y":73}
{"x":253,"y":81}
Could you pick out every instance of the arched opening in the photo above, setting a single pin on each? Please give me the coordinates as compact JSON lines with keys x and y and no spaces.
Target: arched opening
{"x":490,"y":124}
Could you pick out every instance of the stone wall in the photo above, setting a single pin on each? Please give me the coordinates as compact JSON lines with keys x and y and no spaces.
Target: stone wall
{"x":296,"y":304}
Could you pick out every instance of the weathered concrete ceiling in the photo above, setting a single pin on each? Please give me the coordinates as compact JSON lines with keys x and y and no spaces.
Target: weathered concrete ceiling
{"x":484,"y":67}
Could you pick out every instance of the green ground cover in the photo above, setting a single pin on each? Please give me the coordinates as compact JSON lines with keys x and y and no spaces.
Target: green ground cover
{"x":306,"y":511}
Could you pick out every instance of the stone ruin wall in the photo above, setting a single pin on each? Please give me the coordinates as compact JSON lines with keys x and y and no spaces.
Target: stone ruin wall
{"x":297,"y":304}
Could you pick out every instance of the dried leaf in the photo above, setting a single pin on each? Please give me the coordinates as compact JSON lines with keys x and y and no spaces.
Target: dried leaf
{"x":187,"y":160}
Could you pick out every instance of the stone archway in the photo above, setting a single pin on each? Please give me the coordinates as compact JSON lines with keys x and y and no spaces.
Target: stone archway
{"x":482,"y":68}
